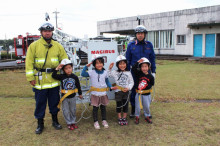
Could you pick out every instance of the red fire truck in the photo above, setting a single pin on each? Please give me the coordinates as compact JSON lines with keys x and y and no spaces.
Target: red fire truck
{"x":21,"y":45}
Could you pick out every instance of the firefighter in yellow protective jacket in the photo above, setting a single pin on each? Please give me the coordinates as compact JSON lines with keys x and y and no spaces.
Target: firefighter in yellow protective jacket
{"x":43,"y":56}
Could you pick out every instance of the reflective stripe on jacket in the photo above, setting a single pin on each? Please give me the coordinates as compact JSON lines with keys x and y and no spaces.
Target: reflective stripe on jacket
{"x":35,"y":58}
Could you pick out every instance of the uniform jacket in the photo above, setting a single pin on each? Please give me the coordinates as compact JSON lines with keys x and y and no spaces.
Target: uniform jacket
{"x":136,"y":50}
{"x":35,"y":59}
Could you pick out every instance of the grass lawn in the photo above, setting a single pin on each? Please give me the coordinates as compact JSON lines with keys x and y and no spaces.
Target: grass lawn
{"x":182,"y":80}
{"x":174,"y":123}
{"x":175,"y":80}
{"x":14,"y":84}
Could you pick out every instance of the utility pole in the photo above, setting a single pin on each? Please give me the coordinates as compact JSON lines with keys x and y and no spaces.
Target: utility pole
{"x":0,"y":53}
{"x":5,"y":45}
{"x":56,"y":16}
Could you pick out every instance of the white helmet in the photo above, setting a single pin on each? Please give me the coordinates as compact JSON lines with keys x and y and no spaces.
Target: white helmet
{"x":46,"y":26}
{"x":66,"y":62}
{"x":120,"y":58}
{"x":145,"y":61}
{"x":96,"y":56}
{"x":140,"y":28}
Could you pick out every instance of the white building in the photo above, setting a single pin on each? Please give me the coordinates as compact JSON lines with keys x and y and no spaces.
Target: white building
{"x":194,"y":32}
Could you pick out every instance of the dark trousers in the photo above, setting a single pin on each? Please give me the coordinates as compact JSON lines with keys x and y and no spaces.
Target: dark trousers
{"x":95,"y":112}
{"x":132,"y":96}
{"x":133,"y":91}
{"x":41,"y":97}
{"x":121,"y":103}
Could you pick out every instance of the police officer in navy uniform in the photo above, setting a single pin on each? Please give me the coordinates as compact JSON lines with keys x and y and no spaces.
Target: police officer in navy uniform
{"x":135,"y":51}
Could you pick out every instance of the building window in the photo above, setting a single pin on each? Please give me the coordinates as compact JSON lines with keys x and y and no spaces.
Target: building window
{"x":153,"y":37}
{"x":166,"y":39}
{"x":162,"y":39}
{"x":181,"y":39}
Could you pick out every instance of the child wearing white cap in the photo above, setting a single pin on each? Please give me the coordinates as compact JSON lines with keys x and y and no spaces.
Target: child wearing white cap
{"x":124,"y":83}
{"x":70,"y":86}
{"x":99,"y":87}
{"x":144,"y":89}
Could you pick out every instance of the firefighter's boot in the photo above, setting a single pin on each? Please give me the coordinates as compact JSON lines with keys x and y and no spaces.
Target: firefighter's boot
{"x":55,"y":123}
{"x":40,"y":126}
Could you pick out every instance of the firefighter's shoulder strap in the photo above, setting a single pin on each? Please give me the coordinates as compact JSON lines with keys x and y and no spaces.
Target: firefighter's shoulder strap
{"x":49,"y":46}
{"x":67,"y":93}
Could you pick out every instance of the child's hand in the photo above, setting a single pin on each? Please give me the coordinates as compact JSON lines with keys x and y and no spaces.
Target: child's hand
{"x":110,"y":66}
{"x":140,"y":61}
{"x":125,"y":90}
{"x":88,"y":65}
{"x":59,"y":66}
{"x":33,"y":82}
{"x":114,"y":88}
{"x":80,"y":96}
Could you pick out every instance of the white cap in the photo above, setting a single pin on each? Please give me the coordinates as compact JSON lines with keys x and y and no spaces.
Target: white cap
{"x":96,"y":56}
{"x":66,"y":62}
{"x":145,"y":61}
{"x":120,"y":58}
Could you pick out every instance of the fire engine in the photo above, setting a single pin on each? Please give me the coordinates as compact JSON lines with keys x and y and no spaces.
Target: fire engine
{"x":21,"y":44}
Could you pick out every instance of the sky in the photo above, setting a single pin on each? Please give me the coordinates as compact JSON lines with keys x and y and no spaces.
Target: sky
{"x":79,"y":18}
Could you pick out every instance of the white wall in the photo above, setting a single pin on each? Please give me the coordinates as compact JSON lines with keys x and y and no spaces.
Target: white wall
{"x":175,"y":20}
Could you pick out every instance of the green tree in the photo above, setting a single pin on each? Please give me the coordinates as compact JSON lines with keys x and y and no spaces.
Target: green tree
{"x":7,"y":43}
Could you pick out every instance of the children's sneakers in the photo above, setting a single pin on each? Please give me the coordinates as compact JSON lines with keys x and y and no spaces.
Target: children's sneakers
{"x":136,"y":120}
{"x":120,"y":122}
{"x":105,"y":124}
{"x":70,"y":127}
{"x":74,"y":126}
{"x":148,"y":120}
{"x":96,"y":125}
{"x":124,"y":121}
